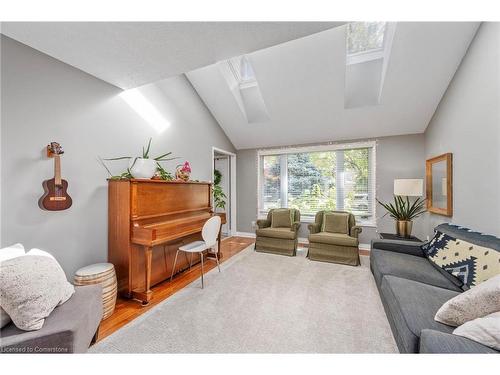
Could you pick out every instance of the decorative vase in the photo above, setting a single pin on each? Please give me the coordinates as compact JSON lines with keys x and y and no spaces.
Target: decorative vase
{"x":142,"y":168}
{"x":403,"y":228}
{"x":183,"y":172}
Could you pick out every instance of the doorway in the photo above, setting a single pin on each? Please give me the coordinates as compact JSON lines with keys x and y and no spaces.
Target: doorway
{"x":224,"y":165}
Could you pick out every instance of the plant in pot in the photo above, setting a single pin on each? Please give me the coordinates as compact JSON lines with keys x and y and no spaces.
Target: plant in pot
{"x":143,"y":166}
{"x":403,"y":211}
{"x":219,"y":196}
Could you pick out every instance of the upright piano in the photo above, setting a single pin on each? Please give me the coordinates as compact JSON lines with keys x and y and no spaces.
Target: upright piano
{"x":147,"y":222}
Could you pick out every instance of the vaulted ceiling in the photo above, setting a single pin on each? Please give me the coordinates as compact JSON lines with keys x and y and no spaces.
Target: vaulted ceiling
{"x":302,"y":83}
{"x":131,"y":54}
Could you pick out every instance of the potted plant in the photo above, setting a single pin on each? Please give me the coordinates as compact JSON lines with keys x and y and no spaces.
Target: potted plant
{"x":403,"y":211}
{"x":219,"y":196}
{"x":143,"y":166}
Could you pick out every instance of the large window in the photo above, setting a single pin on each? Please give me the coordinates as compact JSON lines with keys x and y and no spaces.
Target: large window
{"x":339,"y":177}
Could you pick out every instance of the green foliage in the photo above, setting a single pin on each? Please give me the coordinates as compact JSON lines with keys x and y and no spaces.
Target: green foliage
{"x":219,"y":196}
{"x":164,"y":175}
{"x":402,"y":209}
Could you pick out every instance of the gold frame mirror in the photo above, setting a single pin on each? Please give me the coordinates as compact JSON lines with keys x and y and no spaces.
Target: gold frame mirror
{"x":439,"y":184}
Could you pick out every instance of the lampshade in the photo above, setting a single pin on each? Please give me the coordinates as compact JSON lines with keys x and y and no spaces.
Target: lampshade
{"x":410,"y":187}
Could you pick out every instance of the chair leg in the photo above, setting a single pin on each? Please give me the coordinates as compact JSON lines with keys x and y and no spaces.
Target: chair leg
{"x":173,"y":268}
{"x":217,"y":259}
{"x":201,"y":256}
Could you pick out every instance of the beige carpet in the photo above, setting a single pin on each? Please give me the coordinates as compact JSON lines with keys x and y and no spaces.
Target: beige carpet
{"x":264,"y":303}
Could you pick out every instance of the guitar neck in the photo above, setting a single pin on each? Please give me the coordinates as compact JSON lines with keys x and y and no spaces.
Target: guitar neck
{"x":57,"y":170}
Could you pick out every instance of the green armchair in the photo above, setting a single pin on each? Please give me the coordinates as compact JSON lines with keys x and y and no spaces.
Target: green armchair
{"x":336,"y":242}
{"x":273,"y":236}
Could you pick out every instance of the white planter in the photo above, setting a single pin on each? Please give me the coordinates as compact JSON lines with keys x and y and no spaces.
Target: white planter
{"x":142,"y":168}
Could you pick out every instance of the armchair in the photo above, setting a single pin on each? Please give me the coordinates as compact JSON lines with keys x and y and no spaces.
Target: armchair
{"x":335,"y":246}
{"x":278,"y":239}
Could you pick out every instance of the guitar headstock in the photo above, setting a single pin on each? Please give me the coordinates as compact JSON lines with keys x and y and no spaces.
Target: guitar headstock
{"x":54,"y":149}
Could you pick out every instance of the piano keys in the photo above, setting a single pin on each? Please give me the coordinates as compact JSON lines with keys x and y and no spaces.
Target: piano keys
{"x":147,"y":222}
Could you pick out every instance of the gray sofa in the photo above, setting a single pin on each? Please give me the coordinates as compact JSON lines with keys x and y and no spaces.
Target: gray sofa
{"x":412,"y":289}
{"x":70,"y":328}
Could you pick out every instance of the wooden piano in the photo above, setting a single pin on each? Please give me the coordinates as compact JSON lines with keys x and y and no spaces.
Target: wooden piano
{"x":147,"y":222}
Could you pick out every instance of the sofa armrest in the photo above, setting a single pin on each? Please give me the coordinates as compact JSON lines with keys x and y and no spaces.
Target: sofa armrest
{"x":398,"y":246}
{"x":313,"y":228}
{"x":432,"y":341}
{"x":296,"y":226}
{"x":355,"y":231}
{"x":263,"y":223}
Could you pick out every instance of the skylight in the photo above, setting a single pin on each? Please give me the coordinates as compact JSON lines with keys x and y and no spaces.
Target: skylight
{"x":242,"y":69}
{"x":365,"y":37}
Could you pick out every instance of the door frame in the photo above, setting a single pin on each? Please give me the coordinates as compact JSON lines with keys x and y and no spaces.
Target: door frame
{"x":232,"y":166}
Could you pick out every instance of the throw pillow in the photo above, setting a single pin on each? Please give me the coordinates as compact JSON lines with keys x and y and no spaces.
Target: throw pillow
{"x":6,"y":253}
{"x":30,"y":288}
{"x":282,"y":218}
{"x":475,"y":303}
{"x":335,"y":222}
{"x":471,"y":257}
{"x":484,"y":330}
{"x":11,"y":251}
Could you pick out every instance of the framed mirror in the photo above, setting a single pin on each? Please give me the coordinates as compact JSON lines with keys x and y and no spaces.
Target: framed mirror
{"x":439,"y":184}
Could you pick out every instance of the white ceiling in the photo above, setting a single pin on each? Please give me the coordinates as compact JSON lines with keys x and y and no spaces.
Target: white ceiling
{"x":302,"y":83}
{"x":131,"y":54}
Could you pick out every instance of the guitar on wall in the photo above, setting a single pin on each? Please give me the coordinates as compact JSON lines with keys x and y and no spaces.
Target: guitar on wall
{"x":56,"y":197}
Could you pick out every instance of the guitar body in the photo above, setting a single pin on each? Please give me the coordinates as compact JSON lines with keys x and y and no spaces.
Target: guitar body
{"x":56,"y":197}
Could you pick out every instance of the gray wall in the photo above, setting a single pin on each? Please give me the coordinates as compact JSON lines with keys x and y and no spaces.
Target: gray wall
{"x":46,"y":100}
{"x":467,"y":123}
{"x":396,"y":157}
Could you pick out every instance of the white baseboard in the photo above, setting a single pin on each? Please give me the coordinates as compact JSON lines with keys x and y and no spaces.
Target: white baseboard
{"x":362,"y":246}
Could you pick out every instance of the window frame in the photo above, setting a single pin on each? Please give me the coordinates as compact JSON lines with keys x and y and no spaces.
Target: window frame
{"x":262,"y":214}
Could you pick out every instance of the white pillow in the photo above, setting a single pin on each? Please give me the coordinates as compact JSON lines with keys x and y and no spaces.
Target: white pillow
{"x":31,"y":287}
{"x":6,"y":253}
{"x":477,"y":302}
{"x":36,"y":251}
{"x":11,"y":251}
{"x":484,"y":330}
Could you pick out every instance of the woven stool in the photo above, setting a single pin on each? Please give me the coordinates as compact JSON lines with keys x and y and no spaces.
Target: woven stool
{"x":104,"y":275}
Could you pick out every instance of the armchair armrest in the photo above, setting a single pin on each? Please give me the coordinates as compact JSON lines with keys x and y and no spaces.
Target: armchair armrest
{"x":432,"y":341}
{"x":296,"y":226}
{"x":398,"y":246}
{"x":263,"y":223}
{"x":355,"y":231}
{"x":313,"y":228}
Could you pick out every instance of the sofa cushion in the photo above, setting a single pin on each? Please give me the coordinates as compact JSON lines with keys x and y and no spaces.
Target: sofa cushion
{"x":410,"y":307}
{"x":444,"y":343}
{"x":68,"y":329}
{"x":485,"y":330}
{"x":283,"y":233}
{"x":335,"y":222}
{"x":472,"y":257}
{"x":333,"y":239}
{"x":409,"y":267}
{"x":281,"y":218}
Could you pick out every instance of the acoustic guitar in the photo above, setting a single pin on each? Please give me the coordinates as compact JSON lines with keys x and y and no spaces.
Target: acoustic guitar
{"x":56,"y":197}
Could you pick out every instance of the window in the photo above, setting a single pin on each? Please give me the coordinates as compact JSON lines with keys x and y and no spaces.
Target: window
{"x":242,"y":70}
{"x":365,"y":37}
{"x":338,"y":177}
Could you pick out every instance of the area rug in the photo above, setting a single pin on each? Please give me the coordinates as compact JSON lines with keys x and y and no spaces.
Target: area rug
{"x":265,"y":303}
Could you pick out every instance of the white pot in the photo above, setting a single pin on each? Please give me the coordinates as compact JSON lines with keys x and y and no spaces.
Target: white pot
{"x":142,"y":168}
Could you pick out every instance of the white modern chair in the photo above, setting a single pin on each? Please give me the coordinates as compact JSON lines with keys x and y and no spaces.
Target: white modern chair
{"x":209,"y":233}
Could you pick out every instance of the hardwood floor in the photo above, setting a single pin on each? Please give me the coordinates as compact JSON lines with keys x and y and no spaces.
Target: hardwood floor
{"x":127,"y":310}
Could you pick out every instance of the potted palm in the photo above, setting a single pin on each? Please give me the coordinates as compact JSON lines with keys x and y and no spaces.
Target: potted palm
{"x":404,"y":212}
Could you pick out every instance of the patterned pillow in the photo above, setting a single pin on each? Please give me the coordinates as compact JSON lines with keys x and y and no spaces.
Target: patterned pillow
{"x":470,"y":256}
{"x":282,"y":218}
